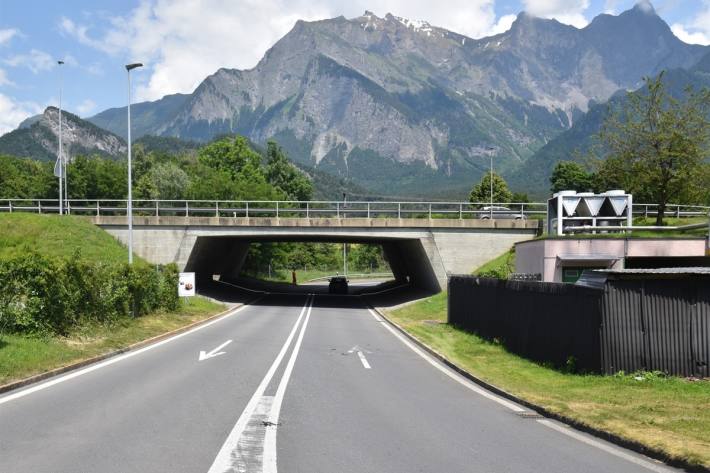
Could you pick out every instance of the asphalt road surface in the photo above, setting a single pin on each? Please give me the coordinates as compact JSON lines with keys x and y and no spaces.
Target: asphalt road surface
{"x":292,"y":384}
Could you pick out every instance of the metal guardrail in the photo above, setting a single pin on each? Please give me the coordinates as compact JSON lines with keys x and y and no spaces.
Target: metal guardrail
{"x":312,"y":209}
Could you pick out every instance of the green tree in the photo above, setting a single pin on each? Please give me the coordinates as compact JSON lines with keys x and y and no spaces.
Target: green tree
{"x":26,"y":178}
{"x":481,"y":192}
{"x":163,"y":181}
{"x":657,"y":145}
{"x":284,"y":175}
{"x":569,"y":175}
{"x":231,"y":155}
{"x":97,"y":178}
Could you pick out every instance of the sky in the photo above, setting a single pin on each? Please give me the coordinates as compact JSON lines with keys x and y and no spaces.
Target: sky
{"x":183,"y":41}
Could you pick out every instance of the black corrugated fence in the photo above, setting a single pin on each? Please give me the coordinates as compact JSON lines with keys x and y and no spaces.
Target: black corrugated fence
{"x":636,"y":324}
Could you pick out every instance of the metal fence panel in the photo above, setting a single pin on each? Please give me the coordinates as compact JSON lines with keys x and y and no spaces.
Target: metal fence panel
{"x":547,"y":322}
{"x":623,"y":331}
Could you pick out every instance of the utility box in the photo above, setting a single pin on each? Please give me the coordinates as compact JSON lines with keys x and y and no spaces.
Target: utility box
{"x":573,"y":209}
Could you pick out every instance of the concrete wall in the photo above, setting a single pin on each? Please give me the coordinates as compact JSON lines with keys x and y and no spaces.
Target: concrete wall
{"x":424,"y":254}
{"x":548,"y":257}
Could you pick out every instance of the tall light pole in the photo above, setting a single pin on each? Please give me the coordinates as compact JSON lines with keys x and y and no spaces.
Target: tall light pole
{"x":130,"y":67}
{"x":491,"y":186}
{"x":60,"y":158}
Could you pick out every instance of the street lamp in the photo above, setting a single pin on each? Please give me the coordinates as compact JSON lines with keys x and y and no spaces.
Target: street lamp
{"x":491,"y":150}
{"x":60,"y":158}
{"x":130,"y":67}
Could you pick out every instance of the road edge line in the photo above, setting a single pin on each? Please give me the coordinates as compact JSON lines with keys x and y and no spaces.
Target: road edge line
{"x":637,"y":447}
{"x":5,"y":388}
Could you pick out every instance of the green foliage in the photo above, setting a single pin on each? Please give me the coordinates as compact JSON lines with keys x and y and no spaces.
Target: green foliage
{"x":26,"y":178}
{"x":232,"y":155}
{"x":500,"y":267}
{"x":657,"y":146}
{"x":97,"y":178}
{"x":481,"y":192}
{"x":45,"y":296}
{"x":163,"y":181}
{"x":570,"y":175}
{"x":284,"y":175}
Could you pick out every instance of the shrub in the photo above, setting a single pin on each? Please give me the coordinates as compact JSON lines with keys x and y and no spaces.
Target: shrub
{"x":51,"y":296}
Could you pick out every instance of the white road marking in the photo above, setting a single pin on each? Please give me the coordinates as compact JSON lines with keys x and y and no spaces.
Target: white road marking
{"x":451,"y":374}
{"x":216,"y":352}
{"x":618,"y":452}
{"x":75,"y":374}
{"x":364,"y":360}
{"x":269,"y":465}
{"x":646,"y":463}
{"x":227,"y":457}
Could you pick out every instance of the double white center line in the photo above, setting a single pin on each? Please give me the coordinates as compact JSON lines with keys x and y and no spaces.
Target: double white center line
{"x":251,"y":445}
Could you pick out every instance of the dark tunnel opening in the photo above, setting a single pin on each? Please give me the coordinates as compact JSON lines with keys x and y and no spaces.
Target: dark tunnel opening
{"x":226,"y":259}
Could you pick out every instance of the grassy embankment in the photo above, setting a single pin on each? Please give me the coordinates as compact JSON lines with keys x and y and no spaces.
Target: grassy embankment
{"x":669,"y":414}
{"x":24,"y":355}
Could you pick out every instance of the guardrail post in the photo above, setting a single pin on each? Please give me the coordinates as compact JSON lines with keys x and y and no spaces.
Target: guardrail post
{"x":337,"y":209}
{"x":216,"y":209}
{"x":68,"y":207}
{"x":39,"y":206}
{"x":246,"y":213}
{"x":645,"y":211}
{"x":460,"y":211}
{"x":368,"y":210}
{"x":277,"y":209}
{"x":677,"y":211}
{"x":522,"y":210}
{"x":399,"y":210}
{"x":308,"y":210}
{"x":98,"y":211}
{"x":187,"y":209}
{"x":9,"y":202}
{"x":430,"y":211}
{"x":157,"y":208}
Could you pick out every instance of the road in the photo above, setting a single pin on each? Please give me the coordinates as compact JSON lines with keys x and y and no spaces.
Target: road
{"x":292,"y":383}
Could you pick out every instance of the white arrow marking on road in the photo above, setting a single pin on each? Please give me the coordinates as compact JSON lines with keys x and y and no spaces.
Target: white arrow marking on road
{"x":361,"y":355}
{"x":213,"y":353}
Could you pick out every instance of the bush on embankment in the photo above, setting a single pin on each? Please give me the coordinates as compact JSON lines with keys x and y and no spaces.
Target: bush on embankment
{"x":42,"y":295}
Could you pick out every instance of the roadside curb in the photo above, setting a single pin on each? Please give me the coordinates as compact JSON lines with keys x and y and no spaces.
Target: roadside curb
{"x":80,"y":364}
{"x":601,"y":434}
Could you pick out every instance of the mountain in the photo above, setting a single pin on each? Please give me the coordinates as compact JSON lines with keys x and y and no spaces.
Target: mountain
{"x":576,"y":143}
{"x":37,"y":137}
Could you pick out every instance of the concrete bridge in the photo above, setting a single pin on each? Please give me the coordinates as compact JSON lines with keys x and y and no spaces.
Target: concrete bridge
{"x":420,"y":250}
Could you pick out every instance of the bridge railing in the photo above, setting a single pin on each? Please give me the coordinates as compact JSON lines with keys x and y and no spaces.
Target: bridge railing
{"x":313,"y":209}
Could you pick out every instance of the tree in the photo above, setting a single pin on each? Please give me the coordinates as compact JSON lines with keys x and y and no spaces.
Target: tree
{"x":657,"y":145}
{"x":481,"y":192}
{"x":230,"y":155}
{"x":284,"y":175}
{"x":569,"y":175}
{"x":163,"y":181}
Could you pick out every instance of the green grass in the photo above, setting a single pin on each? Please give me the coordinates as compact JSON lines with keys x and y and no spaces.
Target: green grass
{"x":302,"y":276}
{"x":500,"y":267}
{"x":54,"y":235}
{"x":649,"y":221}
{"x":23,"y":356}
{"x":666,"y":413}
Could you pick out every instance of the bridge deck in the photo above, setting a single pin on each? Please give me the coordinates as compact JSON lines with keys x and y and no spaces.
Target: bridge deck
{"x":523,"y":224}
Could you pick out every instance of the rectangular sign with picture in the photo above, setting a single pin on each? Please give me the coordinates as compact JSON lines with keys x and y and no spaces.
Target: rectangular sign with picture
{"x":186,"y":285}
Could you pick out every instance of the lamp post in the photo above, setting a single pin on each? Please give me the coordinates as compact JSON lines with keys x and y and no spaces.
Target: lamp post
{"x":491,"y":151}
{"x":130,"y":67}
{"x":60,"y":158}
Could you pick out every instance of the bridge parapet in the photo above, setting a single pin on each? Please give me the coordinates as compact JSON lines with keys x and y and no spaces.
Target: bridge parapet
{"x":420,"y":223}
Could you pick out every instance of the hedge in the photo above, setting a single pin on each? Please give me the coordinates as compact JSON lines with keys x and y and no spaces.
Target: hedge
{"x":51,"y":296}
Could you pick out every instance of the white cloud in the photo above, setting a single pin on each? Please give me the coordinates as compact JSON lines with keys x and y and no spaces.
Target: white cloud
{"x":86,"y":107}
{"x":697,"y":30}
{"x":7,"y":34}
{"x":183,"y":41}
{"x":504,"y":23}
{"x":35,"y":60}
{"x":12,"y":112}
{"x":570,"y":12}
{"x":4,"y":80}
